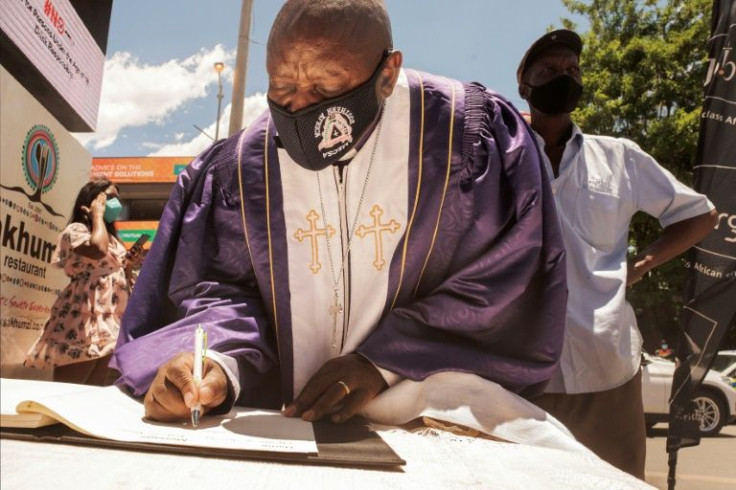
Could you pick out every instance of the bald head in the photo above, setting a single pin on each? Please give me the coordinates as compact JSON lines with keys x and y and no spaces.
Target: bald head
{"x":358,"y":28}
{"x":321,"y":49}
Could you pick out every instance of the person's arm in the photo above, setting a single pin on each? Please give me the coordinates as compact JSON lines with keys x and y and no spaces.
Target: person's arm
{"x":98,"y":240}
{"x":686,"y":216}
{"x":181,"y":286}
{"x":674,"y":240}
{"x":236,"y":329}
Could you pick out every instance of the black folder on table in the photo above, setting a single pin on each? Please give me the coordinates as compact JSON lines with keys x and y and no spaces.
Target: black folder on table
{"x":353,"y":443}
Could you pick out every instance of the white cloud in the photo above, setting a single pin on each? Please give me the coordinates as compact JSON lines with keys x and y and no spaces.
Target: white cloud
{"x":136,"y":94}
{"x":252,"y":108}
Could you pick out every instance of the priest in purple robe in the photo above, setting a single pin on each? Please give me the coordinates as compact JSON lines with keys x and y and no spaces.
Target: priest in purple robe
{"x":376,"y":224}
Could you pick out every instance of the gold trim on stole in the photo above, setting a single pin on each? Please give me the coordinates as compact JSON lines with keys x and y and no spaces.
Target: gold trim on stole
{"x":419,"y":187}
{"x":268,"y":222}
{"x":444,"y":190}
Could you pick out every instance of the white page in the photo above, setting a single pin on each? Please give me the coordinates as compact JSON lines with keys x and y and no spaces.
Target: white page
{"x":109,"y":413}
{"x":13,"y":391}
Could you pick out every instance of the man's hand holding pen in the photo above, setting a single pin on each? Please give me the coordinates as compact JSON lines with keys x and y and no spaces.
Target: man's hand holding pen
{"x":191,"y":384}
{"x":174,"y":391}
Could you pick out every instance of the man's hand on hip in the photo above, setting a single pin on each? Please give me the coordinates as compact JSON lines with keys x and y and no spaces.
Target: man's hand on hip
{"x":340,"y":389}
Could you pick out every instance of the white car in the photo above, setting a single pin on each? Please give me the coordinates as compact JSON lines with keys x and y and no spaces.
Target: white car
{"x":723,"y":360}
{"x":715,"y":399}
{"x":730,"y":373}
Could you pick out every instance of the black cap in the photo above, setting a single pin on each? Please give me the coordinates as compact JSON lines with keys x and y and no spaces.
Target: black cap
{"x":564,"y":37}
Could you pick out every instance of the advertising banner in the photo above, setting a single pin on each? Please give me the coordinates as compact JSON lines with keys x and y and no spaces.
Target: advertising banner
{"x":140,"y":170}
{"x":709,"y":296}
{"x":42,"y":167}
{"x":52,"y":37}
{"x":130,"y":231}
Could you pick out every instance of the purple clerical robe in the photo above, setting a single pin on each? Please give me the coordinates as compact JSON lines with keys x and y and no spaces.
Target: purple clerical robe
{"x":476,"y":284}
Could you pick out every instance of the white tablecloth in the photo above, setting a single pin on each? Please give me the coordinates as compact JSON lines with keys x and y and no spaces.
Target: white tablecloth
{"x":435,"y":459}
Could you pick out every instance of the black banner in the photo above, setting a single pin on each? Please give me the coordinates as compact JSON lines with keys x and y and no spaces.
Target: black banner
{"x":710,"y":294}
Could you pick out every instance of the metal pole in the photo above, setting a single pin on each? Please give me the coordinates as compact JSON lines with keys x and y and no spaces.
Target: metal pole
{"x":219,"y":105}
{"x":241,"y":67}
{"x":671,"y":474}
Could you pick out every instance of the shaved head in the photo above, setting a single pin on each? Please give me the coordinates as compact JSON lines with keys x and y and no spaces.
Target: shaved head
{"x":359,"y":28}
{"x":321,"y":49}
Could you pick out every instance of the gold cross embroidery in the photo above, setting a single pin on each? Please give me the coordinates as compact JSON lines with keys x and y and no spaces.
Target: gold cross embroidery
{"x":377,"y":229}
{"x":313,"y":233}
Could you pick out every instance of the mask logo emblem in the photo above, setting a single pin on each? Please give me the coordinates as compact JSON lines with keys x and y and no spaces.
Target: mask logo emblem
{"x":335,"y":128}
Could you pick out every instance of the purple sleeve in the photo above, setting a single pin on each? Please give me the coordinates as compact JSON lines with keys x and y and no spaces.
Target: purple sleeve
{"x":498,"y":309}
{"x":192,"y":276}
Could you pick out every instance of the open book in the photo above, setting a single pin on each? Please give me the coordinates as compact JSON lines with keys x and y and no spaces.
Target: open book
{"x":109,"y":413}
{"x":13,"y":391}
{"x":107,"y":417}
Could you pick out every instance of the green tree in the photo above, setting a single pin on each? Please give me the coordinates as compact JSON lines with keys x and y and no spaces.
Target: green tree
{"x":644,"y":65}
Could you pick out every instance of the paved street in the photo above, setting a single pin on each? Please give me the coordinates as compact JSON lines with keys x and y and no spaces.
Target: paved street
{"x":709,"y":466}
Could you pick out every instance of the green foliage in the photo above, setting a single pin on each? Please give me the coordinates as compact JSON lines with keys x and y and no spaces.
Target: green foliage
{"x":644,"y":64}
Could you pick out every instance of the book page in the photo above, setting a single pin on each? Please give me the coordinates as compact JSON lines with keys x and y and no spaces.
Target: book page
{"x":109,"y":413}
{"x":13,"y":391}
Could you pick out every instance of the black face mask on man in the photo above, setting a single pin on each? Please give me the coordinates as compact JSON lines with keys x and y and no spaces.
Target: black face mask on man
{"x":558,"y":96}
{"x":321,"y":134}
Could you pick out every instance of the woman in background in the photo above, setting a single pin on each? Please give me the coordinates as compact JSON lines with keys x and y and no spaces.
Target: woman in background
{"x":81,"y":333}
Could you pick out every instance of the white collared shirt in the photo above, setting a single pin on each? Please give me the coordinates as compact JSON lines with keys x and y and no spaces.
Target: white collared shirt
{"x":602,"y":183}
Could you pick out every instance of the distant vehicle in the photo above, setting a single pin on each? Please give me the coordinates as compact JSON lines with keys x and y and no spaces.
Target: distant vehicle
{"x":730,"y":373}
{"x":715,"y":399}
{"x":723,"y":360}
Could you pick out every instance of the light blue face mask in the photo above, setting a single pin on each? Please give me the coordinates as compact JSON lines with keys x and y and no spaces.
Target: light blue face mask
{"x":113,"y":208}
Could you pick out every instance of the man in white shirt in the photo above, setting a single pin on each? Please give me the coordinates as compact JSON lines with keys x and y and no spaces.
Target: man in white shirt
{"x":599,"y":183}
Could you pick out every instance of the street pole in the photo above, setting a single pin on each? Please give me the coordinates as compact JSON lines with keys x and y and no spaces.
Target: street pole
{"x":241,"y":67}
{"x":218,"y":68}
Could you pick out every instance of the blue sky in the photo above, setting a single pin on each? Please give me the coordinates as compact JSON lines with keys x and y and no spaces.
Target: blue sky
{"x":159,"y":81}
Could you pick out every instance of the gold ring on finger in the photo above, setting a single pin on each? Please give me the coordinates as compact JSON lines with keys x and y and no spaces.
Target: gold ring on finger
{"x":344,"y":385}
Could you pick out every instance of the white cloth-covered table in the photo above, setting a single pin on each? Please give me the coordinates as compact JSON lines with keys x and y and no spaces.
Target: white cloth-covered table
{"x":435,"y":459}
{"x":542,"y":455}
{"x":474,"y":402}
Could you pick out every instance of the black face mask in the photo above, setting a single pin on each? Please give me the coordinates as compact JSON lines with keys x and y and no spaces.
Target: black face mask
{"x":558,"y":96}
{"x":321,"y":134}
